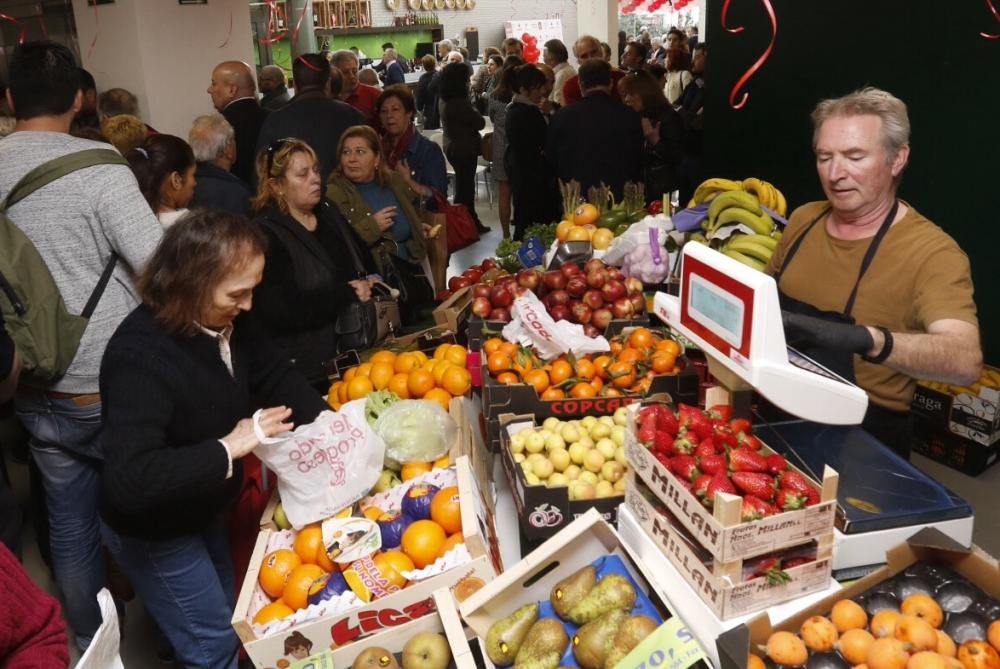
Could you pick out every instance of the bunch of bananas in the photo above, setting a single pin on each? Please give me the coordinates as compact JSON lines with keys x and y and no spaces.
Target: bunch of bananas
{"x":989,"y":378}
{"x":766,"y":193}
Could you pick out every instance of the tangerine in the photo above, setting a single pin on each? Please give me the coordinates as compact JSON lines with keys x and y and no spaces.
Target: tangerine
{"x":296,"y":592}
{"x":561,"y":370}
{"x":499,"y":361}
{"x":446,"y":509}
{"x":421,"y":357}
{"x":553,"y":393}
{"x":669,"y":345}
{"x":349,"y":374}
{"x":578,"y":234}
{"x":273,"y":611}
{"x":275,"y":569}
{"x":443,"y":462}
{"x":372,"y":513}
{"x":610,"y":391}
{"x":663,"y":362}
{"x":630,"y":355}
{"x":441,"y":351}
{"x":392,"y":564}
{"x":412,"y":470}
{"x":306,"y":542}
{"x":439,"y":369}
{"x":585,"y":369}
{"x":406,"y":363}
{"x":452,"y":541}
{"x":582,"y":390}
{"x":641,"y":338}
{"x":323,"y":560}
{"x":456,"y":380}
{"x":380,"y":375}
{"x":359,"y":387}
{"x":492,"y":345}
{"x":364,"y":369}
{"x":509,"y":347}
{"x":562,"y":230}
{"x":457,"y":355}
{"x":508,"y":378}
{"x":585,"y":214}
{"x":398,"y":385}
{"x":598,"y":383}
{"x":419,"y":382}
{"x":622,"y":373}
{"x":439,"y":395}
{"x":601,"y":363}
{"x":387,"y":357}
{"x":538,"y":379}
{"x":332,"y":396}
{"x":422,"y":542}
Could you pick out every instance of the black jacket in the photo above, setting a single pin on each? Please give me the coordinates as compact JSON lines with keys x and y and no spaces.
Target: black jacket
{"x":426,"y":100}
{"x":247,"y":118}
{"x":531,"y":178}
{"x":596,"y":139}
{"x":167,"y":399}
{"x":218,"y":189}
{"x":317,"y":120}
{"x":462,"y":123}
{"x":276,"y":99}
{"x":305,"y":286}
{"x":661,"y":161}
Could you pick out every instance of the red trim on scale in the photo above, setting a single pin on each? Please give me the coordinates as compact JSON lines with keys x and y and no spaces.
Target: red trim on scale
{"x":737,"y":289}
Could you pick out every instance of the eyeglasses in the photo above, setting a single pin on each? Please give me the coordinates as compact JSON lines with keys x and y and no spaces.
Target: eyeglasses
{"x":273,"y":148}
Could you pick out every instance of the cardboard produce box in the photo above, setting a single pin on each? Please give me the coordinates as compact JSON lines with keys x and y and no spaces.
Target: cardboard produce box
{"x":348,"y":623}
{"x":720,"y":531}
{"x":729,"y":589}
{"x":454,"y":312}
{"x":942,"y":445}
{"x":927,"y":545}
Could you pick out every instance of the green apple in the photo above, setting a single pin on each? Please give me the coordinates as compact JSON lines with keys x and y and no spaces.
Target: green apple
{"x":426,"y":651}
{"x":588,"y":477}
{"x":618,"y":435}
{"x":557,"y":480}
{"x":552,"y":424}
{"x":577,"y":451}
{"x":600,"y":431}
{"x":559,"y":457}
{"x":526,"y":467}
{"x":519,"y":458}
{"x":620,"y":486}
{"x":570,"y":433}
{"x":581,"y":490}
{"x":604,"y":489}
{"x":588,"y":422}
{"x":621,"y":416}
{"x":554,"y":442}
{"x":535,"y":443}
{"x":535,"y":458}
{"x":280,"y":519}
{"x":606,"y":447}
{"x":612,"y":471}
{"x":572,"y":472}
{"x":542,"y":469}
{"x":517,"y":442}
{"x":606,"y":420}
{"x":532,"y":479}
{"x":593,"y":461}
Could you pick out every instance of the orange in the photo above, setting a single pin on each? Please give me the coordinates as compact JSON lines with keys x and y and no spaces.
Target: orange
{"x":332,"y":398}
{"x":663,"y":362}
{"x":441,"y":351}
{"x":364,"y":369}
{"x":398,"y":384}
{"x":359,"y":387}
{"x":622,"y":374}
{"x":669,"y":345}
{"x":492,"y":345}
{"x":561,"y":370}
{"x":499,"y":362}
{"x":342,"y":392}
{"x":585,"y":214}
{"x":412,"y":470}
{"x":296,"y":593}
{"x":562,"y":230}
{"x":419,"y":382}
{"x":443,"y":462}
{"x":553,"y":393}
{"x":431,"y":364}
{"x":275,"y":569}
{"x":509,"y":347}
{"x":422,"y":542}
{"x":585,"y":369}
{"x":383,"y":356}
{"x":578,"y":234}
{"x":598,"y":383}
{"x":307,"y":541}
{"x":456,"y":380}
{"x":372,"y":513}
{"x":421,"y":357}
{"x":439,"y":395}
{"x":440,"y":368}
{"x":457,"y":355}
{"x":392,"y":564}
{"x":273,"y":611}
{"x":602,"y":239}
{"x":405,"y":363}
{"x":582,"y":390}
{"x":610,"y":391}
{"x":538,"y":379}
{"x":640,"y":338}
{"x":446,"y":510}
{"x":508,"y":378}
{"x":323,"y":560}
{"x":451,"y":542}
{"x":349,"y":374}
{"x":630,"y":355}
{"x":601,"y":363}
{"x":380,"y":375}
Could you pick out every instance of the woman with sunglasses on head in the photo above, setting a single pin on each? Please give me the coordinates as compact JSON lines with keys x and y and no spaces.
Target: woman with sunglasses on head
{"x":378,"y":203}
{"x":662,"y":128}
{"x":311,"y":273}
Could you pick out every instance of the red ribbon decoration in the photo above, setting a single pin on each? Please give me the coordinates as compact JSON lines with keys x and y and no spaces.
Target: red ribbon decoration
{"x":273,"y":12}
{"x":97,"y":32}
{"x":760,"y":61}
{"x":20,"y":37}
{"x":996,"y":15}
{"x":298,"y":24}
{"x":230,"y":33}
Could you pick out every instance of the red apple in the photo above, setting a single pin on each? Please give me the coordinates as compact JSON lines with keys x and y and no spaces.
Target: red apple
{"x":489,"y":263}
{"x":581,"y":313}
{"x":601,"y":318}
{"x":529,"y":278}
{"x":612,"y":290}
{"x":559,"y":312}
{"x":638,"y":301}
{"x":500,"y":314}
{"x":597,"y":278}
{"x":615,"y":274}
{"x":442,"y":296}
{"x":472,"y":274}
{"x":576,"y":286}
{"x":593,"y":299}
{"x":622,"y":308}
{"x":456,"y":283}
{"x":481,"y":290}
{"x":633,"y":285}
{"x":593,"y":264}
{"x":568,"y":269}
{"x":591,"y":331}
{"x":501,"y":296}
{"x":490,"y":275}
{"x":556,"y":297}
{"x":554,"y":280}
{"x":481,"y":307}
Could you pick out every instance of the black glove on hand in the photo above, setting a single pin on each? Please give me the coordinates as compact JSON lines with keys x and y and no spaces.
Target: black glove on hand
{"x":818,"y":332}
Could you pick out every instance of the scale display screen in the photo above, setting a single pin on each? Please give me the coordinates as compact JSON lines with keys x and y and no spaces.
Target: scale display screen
{"x":717,"y":309}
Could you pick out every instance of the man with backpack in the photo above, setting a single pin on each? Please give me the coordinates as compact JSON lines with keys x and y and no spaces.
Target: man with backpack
{"x":74,"y":229}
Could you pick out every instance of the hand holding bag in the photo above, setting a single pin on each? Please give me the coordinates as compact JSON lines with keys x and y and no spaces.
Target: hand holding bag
{"x":461,"y":227}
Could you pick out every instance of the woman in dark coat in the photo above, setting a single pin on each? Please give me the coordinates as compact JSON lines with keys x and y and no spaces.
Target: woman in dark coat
{"x":662,"y":128}
{"x":461,"y":123}
{"x":531,"y":177}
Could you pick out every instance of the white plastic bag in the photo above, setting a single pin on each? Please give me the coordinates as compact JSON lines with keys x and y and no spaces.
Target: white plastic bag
{"x":102,"y":653}
{"x":326,"y":465}
{"x":531,"y":325}
{"x":416,"y":431}
{"x":636,"y":235}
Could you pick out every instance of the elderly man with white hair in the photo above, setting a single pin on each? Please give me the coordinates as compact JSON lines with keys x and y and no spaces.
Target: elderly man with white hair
{"x":214,"y":145}
{"x":393,"y":70}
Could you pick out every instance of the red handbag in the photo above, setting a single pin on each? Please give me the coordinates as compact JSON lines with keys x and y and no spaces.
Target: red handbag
{"x":461,"y":227}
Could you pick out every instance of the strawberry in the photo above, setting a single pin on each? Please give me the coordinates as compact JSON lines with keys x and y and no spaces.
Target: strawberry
{"x":786,"y":500}
{"x":664,"y":443}
{"x":724,"y":438}
{"x":683,"y":445}
{"x":646,"y":434}
{"x":747,"y":460}
{"x":713,"y":464}
{"x":754,"y":508}
{"x":663,"y":459}
{"x":719,"y":483}
{"x":771,"y":568}
{"x":721,"y":412}
{"x":706,"y":447}
{"x":754,"y":483}
{"x":700,"y":488}
{"x":701,"y":426}
{"x":666,"y":421}
{"x":740,"y":425}
{"x":646,"y":416}
{"x":685,"y":467}
{"x":795,"y":562}
{"x":798,"y":483}
{"x":776,"y":464}
{"x":751,"y":442}
{"x":685,"y":412}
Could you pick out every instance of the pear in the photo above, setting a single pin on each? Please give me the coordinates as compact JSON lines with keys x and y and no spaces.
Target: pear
{"x":630,"y":634}
{"x":568,"y":592}
{"x":593,"y":642}
{"x":375,"y":658}
{"x":614,"y":591}
{"x":543,"y":647}
{"x":506,"y":635}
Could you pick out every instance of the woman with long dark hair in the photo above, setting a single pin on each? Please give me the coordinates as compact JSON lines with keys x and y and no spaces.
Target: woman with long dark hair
{"x":663,"y":129}
{"x":164,"y":166}
{"x":501,"y":96}
{"x":461,"y":123}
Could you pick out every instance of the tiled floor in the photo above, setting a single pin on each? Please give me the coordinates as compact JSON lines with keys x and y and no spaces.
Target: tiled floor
{"x":141,"y":638}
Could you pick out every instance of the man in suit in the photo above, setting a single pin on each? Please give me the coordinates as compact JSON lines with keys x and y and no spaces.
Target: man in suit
{"x":597,"y":139}
{"x":234,"y":95}
{"x":214,"y":145}
{"x":313,"y":115}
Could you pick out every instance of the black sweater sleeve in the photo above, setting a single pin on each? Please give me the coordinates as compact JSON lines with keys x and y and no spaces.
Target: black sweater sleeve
{"x":273,"y":380}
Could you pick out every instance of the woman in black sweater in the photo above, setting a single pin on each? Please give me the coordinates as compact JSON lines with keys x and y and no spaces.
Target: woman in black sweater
{"x":663,"y":130}
{"x":179,"y":381}
{"x":461,"y":123}
{"x":311,"y":275}
{"x":531,"y":178}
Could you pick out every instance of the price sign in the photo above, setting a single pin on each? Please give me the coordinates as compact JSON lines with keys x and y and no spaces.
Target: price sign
{"x":322,"y":660}
{"x":671,"y":646}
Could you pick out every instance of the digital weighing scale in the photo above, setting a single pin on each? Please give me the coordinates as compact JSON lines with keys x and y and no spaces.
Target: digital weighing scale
{"x":733,"y":314}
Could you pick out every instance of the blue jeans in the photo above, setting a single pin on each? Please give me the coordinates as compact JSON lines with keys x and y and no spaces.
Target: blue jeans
{"x":65,"y":446}
{"x":186,"y":584}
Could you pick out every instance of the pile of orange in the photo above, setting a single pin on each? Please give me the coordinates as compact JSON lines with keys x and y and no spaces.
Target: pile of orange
{"x":410,"y":375}
{"x":628,"y":369}
{"x":287,"y":574}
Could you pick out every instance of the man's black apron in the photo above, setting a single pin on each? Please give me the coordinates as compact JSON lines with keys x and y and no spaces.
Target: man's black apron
{"x":892,"y":428}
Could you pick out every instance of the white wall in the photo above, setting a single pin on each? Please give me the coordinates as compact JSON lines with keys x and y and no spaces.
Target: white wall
{"x":163,"y":52}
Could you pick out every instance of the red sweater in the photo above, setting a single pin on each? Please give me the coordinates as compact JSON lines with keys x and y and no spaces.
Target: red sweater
{"x":32,"y":631}
{"x":572,"y":93}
